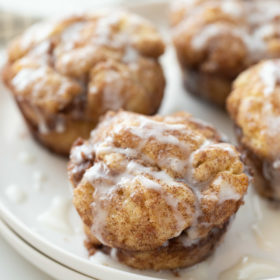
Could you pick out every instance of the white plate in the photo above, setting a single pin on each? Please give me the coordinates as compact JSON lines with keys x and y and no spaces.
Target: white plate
{"x":42,"y":213}
{"x":38,"y":259}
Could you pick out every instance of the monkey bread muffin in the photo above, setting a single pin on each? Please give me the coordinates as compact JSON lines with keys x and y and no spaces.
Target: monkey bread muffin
{"x":66,"y":73}
{"x":157,"y":192}
{"x":254,"y":106}
{"x":216,"y":40}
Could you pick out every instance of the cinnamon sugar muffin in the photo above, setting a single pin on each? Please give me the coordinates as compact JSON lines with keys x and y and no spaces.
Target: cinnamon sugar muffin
{"x":65,"y":74}
{"x":254,"y":105}
{"x":216,"y":40}
{"x":157,"y":192}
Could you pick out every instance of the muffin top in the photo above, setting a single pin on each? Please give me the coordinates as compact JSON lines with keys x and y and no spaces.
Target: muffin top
{"x":140,"y":181}
{"x":254,"y":105}
{"x":83,"y":65}
{"x":225,"y":36}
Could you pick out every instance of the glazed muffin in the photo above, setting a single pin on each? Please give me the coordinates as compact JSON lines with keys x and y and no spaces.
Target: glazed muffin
{"x":66,"y":73}
{"x":216,"y":40}
{"x":254,"y":106}
{"x":156,"y":192}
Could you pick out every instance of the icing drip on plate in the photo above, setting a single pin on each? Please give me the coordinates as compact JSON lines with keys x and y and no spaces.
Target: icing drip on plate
{"x":56,"y":217}
{"x":15,"y":194}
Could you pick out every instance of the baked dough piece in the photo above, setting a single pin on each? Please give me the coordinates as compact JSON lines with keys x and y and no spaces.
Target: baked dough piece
{"x":158,"y":190}
{"x":254,"y":106}
{"x":66,"y":73}
{"x":216,"y":40}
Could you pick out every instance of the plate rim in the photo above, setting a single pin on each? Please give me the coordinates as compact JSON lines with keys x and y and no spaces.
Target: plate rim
{"x":62,"y":256}
{"x":36,"y":258}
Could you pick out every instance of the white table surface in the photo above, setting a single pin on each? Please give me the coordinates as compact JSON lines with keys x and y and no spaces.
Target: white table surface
{"x":14,"y":267}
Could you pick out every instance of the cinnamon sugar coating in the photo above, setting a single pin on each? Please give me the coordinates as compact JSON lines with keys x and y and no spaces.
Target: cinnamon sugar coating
{"x":216,"y":40}
{"x":254,"y":105}
{"x":66,"y":73}
{"x":156,"y":186}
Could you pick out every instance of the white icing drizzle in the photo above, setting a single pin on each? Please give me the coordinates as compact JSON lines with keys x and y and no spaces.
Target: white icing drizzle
{"x":35,"y":79}
{"x":208,"y":32}
{"x":255,"y":24}
{"x":105,"y":35}
{"x":276,"y":164}
{"x":270,"y":75}
{"x":15,"y":194}
{"x":152,"y":129}
{"x":130,"y":55}
{"x":227,"y":192}
{"x":254,"y":41}
{"x":207,"y":144}
{"x":27,"y":76}
{"x":133,"y":172}
{"x":57,"y":216}
{"x":41,"y":53}
{"x":78,"y":153}
{"x":104,"y":31}
{"x":37,"y":33}
{"x":189,"y":240}
{"x":170,"y":200}
{"x":263,"y":11}
{"x":71,"y":35}
{"x":232,"y":7}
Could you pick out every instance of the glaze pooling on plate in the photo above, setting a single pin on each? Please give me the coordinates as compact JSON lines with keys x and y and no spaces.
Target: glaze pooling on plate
{"x":57,"y":216}
{"x":251,"y":268}
{"x":15,"y":194}
{"x":26,"y":157}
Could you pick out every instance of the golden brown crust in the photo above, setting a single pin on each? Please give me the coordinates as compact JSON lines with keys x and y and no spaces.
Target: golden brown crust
{"x":254,"y":107}
{"x":174,"y":254}
{"x":261,"y":170}
{"x":219,"y":39}
{"x":140,"y":182}
{"x":69,"y":72}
